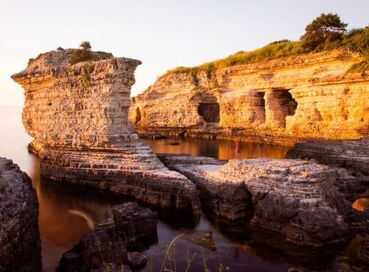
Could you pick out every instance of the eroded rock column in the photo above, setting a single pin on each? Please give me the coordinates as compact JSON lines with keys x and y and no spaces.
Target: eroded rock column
{"x":78,"y":116}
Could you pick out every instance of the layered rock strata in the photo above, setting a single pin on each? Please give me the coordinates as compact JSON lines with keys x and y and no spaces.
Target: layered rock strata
{"x":108,"y":245}
{"x":78,"y":117}
{"x":20,"y":246}
{"x":306,"y":203}
{"x":280,"y":101}
{"x":349,"y":154}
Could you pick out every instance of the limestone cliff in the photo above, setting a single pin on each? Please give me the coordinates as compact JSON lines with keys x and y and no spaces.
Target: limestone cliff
{"x":78,"y":116}
{"x":282,"y":101}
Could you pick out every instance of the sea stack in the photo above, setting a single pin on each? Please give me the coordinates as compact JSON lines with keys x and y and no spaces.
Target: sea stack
{"x":77,"y":113}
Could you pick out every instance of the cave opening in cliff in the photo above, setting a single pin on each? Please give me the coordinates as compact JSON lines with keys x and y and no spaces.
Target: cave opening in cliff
{"x":281,"y":104}
{"x":208,"y":109}
{"x":138,"y":115}
{"x":257,"y":107}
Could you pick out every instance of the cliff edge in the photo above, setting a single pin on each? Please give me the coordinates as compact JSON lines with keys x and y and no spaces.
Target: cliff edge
{"x":283,"y":101}
{"x":77,"y":114}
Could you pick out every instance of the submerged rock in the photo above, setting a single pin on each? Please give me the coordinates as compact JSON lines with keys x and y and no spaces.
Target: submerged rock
{"x":306,"y":203}
{"x":108,"y":244}
{"x":78,"y":117}
{"x":132,"y":221}
{"x":348,"y":154}
{"x":136,"y":259}
{"x":20,"y":246}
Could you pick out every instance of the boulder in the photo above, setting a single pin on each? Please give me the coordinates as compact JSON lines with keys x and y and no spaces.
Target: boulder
{"x":20,"y":245}
{"x":108,"y":244}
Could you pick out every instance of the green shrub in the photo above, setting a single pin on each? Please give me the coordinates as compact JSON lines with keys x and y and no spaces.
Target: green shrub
{"x":326,"y":32}
{"x":272,"y":51}
{"x":358,"y":40}
{"x":323,"y":30}
{"x":82,"y":54}
{"x":87,"y":69}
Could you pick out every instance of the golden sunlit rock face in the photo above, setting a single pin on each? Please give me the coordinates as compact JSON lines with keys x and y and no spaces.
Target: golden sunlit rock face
{"x":281,"y":101}
{"x":361,"y":204}
{"x":78,"y":116}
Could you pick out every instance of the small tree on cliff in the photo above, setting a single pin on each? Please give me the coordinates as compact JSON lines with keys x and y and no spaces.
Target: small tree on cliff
{"x":323,"y":30}
{"x":82,"y":54}
{"x":85,"y":46}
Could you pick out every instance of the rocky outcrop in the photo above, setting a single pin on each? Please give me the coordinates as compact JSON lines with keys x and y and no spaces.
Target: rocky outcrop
{"x":281,"y":101}
{"x":229,"y":199}
{"x":107,"y":246}
{"x":20,"y":246}
{"x":78,"y":116}
{"x":306,"y":203}
{"x":348,"y":154}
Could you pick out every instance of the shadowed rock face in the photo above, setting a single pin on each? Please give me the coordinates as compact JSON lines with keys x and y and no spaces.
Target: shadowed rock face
{"x":282,"y":101}
{"x":348,"y":154}
{"x":306,"y":203}
{"x":78,"y":116}
{"x":107,"y":245}
{"x":20,"y":248}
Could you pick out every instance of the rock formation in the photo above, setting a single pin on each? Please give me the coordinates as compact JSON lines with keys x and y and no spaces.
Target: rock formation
{"x":349,"y":154}
{"x":307,"y":203}
{"x":78,"y":117}
{"x":20,"y":246}
{"x":281,"y":101}
{"x":108,"y":245}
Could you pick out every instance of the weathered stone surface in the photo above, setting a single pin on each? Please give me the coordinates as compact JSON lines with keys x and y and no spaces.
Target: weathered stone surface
{"x":229,"y":199}
{"x":280,"y":101}
{"x":78,"y":116}
{"x":364,"y":251}
{"x":107,"y":244}
{"x":132,"y":221}
{"x":136,"y":259}
{"x":306,"y":203}
{"x":349,"y":154}
{"x":111,"y":267}
{"x":20,"y":246}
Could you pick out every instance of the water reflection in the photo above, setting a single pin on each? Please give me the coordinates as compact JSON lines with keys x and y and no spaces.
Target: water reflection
{"x":66,"y":214}
{"x":220,"y":149}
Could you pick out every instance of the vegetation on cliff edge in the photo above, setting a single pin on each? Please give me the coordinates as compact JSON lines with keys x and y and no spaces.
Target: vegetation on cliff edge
{"x":326,"y":32}
{"x":84,"y":53}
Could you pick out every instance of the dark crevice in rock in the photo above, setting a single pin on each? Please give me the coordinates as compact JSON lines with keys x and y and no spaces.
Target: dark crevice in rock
{"x":209,"y":109}
{"x":138,"y":115}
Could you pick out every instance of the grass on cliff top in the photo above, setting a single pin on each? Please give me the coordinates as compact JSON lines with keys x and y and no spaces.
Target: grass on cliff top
{"x":275,"y":50}
{"x":355,"y":40}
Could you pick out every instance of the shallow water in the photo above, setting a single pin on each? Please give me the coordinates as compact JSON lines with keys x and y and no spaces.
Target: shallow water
{"x":66,"y":215}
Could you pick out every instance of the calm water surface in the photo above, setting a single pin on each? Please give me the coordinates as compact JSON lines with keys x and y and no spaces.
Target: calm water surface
{"x":66,"y":215}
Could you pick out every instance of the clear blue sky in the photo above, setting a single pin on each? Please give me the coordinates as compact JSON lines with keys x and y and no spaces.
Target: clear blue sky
{"x":161,"y":33}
